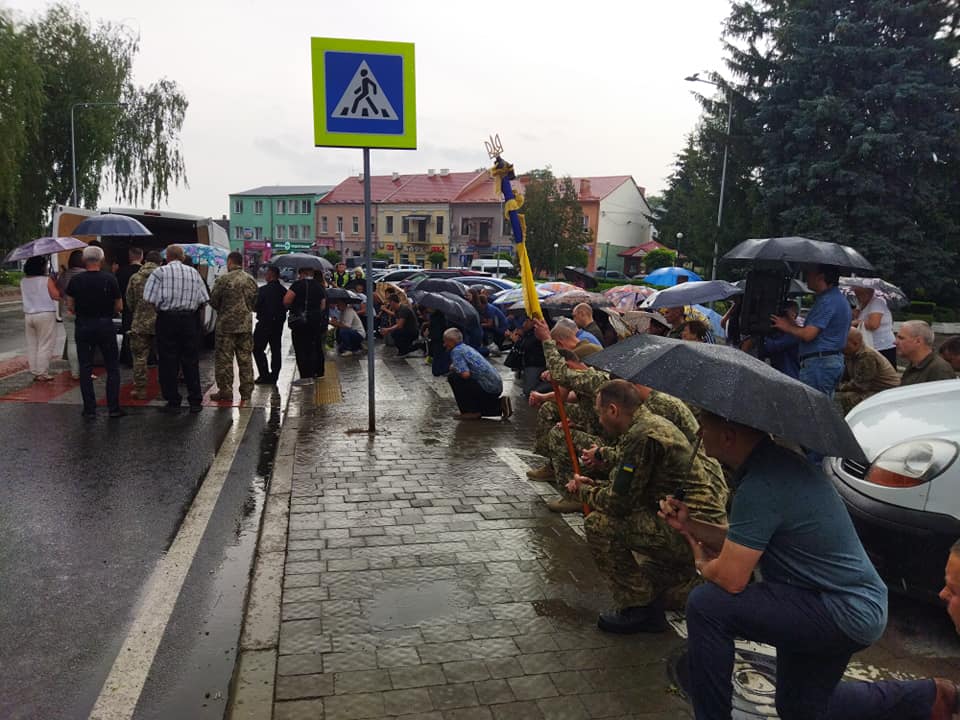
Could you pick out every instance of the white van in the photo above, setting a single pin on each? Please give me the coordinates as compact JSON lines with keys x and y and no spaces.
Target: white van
{"x":497,"y":268}
{"x":404,"y":267}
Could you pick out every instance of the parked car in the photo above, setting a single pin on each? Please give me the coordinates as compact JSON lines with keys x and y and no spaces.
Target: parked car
{"x":612,"y":275}
{"x":905,"y":504}
{"x":396,"y":276}
{"x":404,"y":267}
{"x":501,"y":283}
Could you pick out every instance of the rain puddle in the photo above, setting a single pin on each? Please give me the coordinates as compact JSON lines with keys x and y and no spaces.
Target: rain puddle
{"x":413,"y":604}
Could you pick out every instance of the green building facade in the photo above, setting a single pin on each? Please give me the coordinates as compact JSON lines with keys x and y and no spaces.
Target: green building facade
{"x":273,"y":219}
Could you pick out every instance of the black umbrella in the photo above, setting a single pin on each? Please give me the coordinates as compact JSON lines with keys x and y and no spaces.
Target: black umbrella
{"x":580,"y":277}
{"x":733,"y":384}
{"x":111,"y":225}
{"x":435,"y":284}
{"x":799,"y":250}
{"x":302,"y":260}
{"x":451,"y":306}
{"x":337,"y":294}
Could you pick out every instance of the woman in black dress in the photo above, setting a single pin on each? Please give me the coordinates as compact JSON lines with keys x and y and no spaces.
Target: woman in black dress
{"x":307,"y":302}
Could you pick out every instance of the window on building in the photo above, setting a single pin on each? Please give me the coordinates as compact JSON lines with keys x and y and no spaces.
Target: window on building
{"x":356,"y":225}
{"x":585,"y":222}
{"x":507,"y":230}
{"x":439,"y":224}
{"x":323,"y":224}
{"x":465,"y":226}
{"x":281,"y":232}
{"x":238,"y":206}
{"x":373,"y":224}
{"x":238,"y":233}
{"x":404,"y":226}
{"x":281,"y":207}
{"x":305,"y":232}
{"x":294,"y":232}
{"x":258,"y":233}
{"x":339,"y":224}
{"x":389,"y":224}
{"x":258,"y":207}
{"x":304,"y":207}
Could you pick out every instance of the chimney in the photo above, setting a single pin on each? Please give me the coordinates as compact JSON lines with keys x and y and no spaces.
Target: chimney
{"x":431,"y":172}
{"x":359,"y":177}
{"x":444,"y":172}
{"x":396,"y":176}
{"x":585,"y":187}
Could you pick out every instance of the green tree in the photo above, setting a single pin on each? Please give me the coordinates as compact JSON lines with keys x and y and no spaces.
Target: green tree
{"x":437,"y":259}
{"x":858,"y":125}
{"x":659,"y":258}
{"x":135,"y":148}
{"x":553,"y":215}
{"x":332,"y":256}
{"x":380,"y":255}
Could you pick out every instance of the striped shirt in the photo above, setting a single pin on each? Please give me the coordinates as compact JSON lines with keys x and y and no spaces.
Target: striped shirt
{"x":175,"y":288}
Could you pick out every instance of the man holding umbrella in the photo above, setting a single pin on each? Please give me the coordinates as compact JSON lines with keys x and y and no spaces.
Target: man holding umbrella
{"x":824,"y":332}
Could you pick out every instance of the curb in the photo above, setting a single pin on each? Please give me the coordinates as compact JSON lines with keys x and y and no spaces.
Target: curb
{"x":251,"y":696}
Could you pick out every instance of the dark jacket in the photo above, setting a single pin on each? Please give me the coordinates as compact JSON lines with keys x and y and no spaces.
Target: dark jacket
{"x":270,"y":308}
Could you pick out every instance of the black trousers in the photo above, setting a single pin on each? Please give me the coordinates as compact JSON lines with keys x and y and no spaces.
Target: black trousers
{"x":93,"y":333}
{"x":178,"y":346}
{"x":308,"y":347}
{"x":405,"y":341}
{"x":268,"y":332}
{"x":471,"y":398}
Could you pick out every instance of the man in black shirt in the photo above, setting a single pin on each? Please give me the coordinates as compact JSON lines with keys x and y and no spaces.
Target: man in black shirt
{"x":94,"y":297}
{"x":405,"y":329}
{"x":271,"y":314}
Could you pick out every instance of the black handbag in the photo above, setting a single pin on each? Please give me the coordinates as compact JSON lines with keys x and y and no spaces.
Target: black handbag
{"x":514,"y":358}
{"x":297,"y":320}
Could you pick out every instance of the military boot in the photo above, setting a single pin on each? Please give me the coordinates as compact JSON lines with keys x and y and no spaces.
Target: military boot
{"x":541,"y":473}
{"x":632,"y":620}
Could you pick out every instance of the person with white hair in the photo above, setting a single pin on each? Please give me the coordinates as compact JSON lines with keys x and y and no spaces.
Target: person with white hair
{"x":94,"y":297}
{"x":565,"y":334}
{"x":915,"y":344}
{"x":476,"y":384}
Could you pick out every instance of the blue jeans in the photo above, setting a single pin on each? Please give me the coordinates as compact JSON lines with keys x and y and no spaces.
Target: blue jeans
{"x":812,"y":652}
{"x":884,"y":700}
{"x":822,"y":373}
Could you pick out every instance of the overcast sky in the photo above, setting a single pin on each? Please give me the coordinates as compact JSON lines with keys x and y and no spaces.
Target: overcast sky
{"x":589,"y":88}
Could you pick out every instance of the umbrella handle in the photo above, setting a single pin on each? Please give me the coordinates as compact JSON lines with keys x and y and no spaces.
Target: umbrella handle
{"x":568,"y":436}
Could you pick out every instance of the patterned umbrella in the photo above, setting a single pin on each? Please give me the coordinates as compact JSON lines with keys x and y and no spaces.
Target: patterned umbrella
{"x":628,"y":297}
{"x":557,"y":286}
{"x":204,"y":254}
{"x":508,"y":297}
{"x":895,"y":297}
{"x":575,"y":297}
{"x":44,"y":246}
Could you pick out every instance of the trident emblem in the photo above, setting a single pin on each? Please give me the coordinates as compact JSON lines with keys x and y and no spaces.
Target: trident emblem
{"x":494,"y":147}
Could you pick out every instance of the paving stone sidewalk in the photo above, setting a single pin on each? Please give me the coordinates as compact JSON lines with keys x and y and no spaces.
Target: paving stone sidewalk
{"x":424,"y":578}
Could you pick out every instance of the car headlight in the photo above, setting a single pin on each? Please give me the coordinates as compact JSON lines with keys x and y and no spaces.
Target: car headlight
{"x":912,"y":463}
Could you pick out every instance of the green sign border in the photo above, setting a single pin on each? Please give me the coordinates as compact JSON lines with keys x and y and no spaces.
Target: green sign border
{"x":321,"y":136}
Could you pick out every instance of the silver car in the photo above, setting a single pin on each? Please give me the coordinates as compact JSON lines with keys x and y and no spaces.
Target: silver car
{"x":906,"y":502}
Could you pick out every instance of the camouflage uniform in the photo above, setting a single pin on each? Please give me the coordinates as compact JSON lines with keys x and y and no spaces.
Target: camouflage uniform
{"x":142,"y":326}
{"x":642,"y":557}
{"x":676,"y":411}
{"x":869,"y":373}
{"x":234,"y":297}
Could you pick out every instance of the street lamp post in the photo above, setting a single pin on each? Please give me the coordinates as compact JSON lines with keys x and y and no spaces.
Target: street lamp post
{"x":606,"y":259}
{"x":677,"y":257}
{"x":723,"y":173}
{"x":73,"y":140}
{"x":556,"y":261}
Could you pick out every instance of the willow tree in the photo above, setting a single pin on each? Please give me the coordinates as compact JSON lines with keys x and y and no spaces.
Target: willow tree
{"x":129,"y":140}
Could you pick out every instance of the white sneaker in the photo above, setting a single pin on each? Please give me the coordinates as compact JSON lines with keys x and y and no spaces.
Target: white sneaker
{"x":346,"y":353}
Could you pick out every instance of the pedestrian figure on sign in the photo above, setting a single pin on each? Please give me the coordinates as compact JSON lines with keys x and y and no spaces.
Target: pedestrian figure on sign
{"x":363,"y":93}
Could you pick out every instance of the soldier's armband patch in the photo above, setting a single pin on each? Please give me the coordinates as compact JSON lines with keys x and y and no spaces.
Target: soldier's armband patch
{"x":624,"y":479}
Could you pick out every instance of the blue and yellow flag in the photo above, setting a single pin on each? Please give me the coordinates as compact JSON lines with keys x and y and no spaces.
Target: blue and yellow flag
{"x":502,"y":173}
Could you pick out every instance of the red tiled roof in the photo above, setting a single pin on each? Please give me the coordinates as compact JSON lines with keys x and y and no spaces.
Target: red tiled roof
{"x":350,"y":191}
{"x":643,"y":249}
{"x":434,"y":188}
{"x":588,"y":188}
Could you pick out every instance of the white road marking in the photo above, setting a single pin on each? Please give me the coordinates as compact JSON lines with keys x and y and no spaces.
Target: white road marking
{"x":511,"y":457}
{"x":123,"y":686}
{"x":439,"y":385}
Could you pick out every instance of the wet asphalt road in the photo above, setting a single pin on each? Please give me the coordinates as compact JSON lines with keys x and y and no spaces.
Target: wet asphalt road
{"x":87,"y":509}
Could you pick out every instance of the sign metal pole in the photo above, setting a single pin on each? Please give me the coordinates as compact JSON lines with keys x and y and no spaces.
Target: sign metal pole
{"x":368,"y":239}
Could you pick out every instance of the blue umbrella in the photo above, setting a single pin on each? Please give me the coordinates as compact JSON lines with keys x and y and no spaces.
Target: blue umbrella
{"x":44,"y":246}
{"x":666,"y":277}
{"x":697,"y":291}
{"x":104,"y":225}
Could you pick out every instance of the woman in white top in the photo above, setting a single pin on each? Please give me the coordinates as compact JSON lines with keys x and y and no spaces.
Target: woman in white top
{"x":875,"y":321}
{"x":40,"y":296}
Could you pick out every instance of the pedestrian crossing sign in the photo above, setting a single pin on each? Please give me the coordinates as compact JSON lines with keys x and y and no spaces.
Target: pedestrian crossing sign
{"x":364,"y":94}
